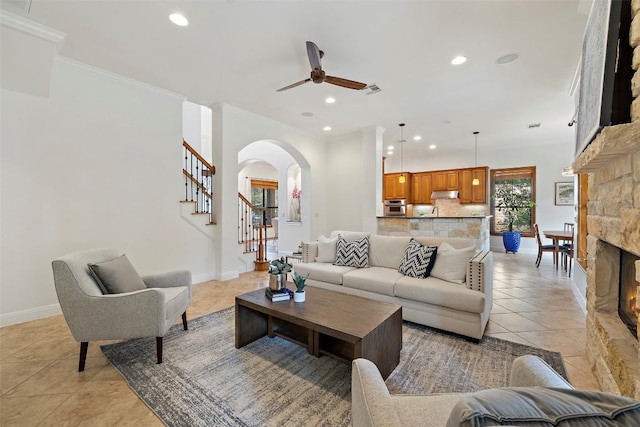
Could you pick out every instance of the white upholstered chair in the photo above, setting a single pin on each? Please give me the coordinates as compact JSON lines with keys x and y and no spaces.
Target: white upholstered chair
{"x":93,"y":316}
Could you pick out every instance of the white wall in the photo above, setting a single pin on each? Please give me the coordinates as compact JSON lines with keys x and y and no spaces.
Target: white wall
{"x":234,"y":129}
{"x":290,"y":234}
{"x":95,"y":164}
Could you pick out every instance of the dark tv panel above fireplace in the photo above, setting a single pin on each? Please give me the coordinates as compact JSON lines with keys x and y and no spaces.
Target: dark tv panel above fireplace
{"x":605,"y":70}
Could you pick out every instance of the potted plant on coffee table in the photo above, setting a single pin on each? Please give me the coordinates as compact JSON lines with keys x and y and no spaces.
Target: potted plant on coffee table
{"x":513,"y":200}
{"x":278,"y":269}
{"x":300,"y":282}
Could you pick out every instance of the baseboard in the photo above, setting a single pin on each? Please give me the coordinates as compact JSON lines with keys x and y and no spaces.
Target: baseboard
{"x":29,"y":314}
{"x":204,"y":277}
{"x":229,"y":275}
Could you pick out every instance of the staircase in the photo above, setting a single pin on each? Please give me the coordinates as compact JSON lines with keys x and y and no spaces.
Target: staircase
{"x":252,"y":231}
{"x":198,"y":183}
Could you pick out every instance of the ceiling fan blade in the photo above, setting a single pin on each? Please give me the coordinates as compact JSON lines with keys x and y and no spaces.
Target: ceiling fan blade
{"x":345,"y":83}
{"x":314,"y":55}
{"x":301,"y":82}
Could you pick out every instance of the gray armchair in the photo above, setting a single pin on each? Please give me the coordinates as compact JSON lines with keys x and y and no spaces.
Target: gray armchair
{"x":93,"y":316}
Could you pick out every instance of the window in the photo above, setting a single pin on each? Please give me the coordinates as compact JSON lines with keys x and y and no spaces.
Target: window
{"x":264,"y":194}
{"x":522,"y":182}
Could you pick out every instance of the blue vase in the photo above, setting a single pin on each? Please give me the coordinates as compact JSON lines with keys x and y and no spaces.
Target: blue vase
{"x":511,"y":241}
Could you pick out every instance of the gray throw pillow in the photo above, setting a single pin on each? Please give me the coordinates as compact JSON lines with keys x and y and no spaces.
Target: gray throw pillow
{"x":116,"y":276}
{"x":539,"y":406}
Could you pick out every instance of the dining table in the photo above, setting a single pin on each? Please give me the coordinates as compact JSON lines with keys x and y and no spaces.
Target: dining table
{"x":557,"y":236}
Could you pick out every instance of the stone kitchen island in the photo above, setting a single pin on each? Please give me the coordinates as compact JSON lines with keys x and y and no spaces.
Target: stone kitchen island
{"x":475,"y":228}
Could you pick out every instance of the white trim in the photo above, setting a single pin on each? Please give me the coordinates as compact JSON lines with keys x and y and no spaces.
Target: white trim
{"x":29,"y":314}
{"x":200,"y":278}
{"x":30,"y":27}
{"x":118,"y":77}
{"x":229,"y":275}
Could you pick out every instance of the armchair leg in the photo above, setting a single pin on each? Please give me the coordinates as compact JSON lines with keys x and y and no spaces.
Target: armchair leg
{"x":159,"y":349}
{"x":184,"y":321}
{"x":84,"y":346}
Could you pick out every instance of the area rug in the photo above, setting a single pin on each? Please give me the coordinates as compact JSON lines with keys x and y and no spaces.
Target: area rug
{"x":204,"y":380}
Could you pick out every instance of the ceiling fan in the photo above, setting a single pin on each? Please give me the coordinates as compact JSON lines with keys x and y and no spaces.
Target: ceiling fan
{"x":318,"y":75}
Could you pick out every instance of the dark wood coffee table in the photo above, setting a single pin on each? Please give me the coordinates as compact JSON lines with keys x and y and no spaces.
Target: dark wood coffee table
{"x":330,"y":323}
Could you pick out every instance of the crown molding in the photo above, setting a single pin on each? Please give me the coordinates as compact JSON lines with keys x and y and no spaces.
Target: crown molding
{"x":118,"y":77}
{"x":27,"y":26}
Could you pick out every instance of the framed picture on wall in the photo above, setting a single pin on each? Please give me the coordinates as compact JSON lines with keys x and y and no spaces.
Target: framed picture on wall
{"x":564,"y":194}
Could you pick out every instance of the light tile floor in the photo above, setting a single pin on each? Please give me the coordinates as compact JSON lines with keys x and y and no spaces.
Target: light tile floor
{"x":40,"y":385}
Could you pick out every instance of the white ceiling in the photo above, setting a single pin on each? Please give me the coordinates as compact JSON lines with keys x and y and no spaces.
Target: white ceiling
{"x":239,"y":52}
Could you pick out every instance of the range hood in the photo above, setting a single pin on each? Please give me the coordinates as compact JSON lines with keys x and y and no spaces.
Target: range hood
{"x":437,"y":195}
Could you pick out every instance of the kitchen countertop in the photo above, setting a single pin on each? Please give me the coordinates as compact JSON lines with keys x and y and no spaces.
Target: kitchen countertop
{"x":434,"y":217}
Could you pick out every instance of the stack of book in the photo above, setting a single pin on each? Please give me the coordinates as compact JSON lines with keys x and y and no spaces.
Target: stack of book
{"x":279,"y":295}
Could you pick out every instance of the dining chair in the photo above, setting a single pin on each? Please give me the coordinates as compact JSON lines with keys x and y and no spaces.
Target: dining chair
{"x":567,"y":257}
{"x":542,"y":248}
{"x":567,"y":244}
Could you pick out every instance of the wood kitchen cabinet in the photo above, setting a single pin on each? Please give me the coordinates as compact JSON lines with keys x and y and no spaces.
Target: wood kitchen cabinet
{"x":393,"y":189}
{"x":469,"y":193}
{"x":421,"y":188}
{"x":445,"y":180}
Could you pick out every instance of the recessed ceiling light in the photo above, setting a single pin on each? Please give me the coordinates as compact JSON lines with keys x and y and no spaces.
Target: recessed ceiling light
{"x":389,"y":153}
{"x":446,"y":122}
{"x":179,"y":19}
{"x":330,"y":100}
{"x":508,"y":58}
{"x":390,"y":147}
{"x":307,"y":114}
{"x":459,"y":60}
{"x":417,"y":138}
{"x":327,"y":128}
{"x":432,"y":147}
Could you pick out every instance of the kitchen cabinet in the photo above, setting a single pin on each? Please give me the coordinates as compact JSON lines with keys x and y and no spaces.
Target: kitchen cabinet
{"x":421,"y":188}
{"x":469,"y":193}
{"x":445,"y":180}
{"x":393,"y":189}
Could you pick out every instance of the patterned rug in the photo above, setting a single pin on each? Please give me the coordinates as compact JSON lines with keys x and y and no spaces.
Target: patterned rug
{"x":204,"y":380}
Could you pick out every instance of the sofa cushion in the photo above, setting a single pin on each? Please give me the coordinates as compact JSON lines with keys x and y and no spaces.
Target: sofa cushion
{"x":117,"y":276}
{"x":352,"y":254}
{"x":326,"y":249}
{"x":451,"y":264}
{"x":387,"y":251}
{"x":350,"y":236}
{"x":418,"y":260}
{"x":526,"y":406}
{"x":439,"y":292}
{"x":456,"y":242}
{"x":322,"y":271}
{"x":375,"y":279}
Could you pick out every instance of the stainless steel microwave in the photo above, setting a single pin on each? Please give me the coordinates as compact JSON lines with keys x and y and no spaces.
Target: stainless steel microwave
{"x":395,"y":208}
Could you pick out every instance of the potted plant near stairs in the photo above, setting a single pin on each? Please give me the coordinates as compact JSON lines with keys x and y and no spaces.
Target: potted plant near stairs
{"x":300,"y":282}
{"x":278,"y":269}
{"x":513,"y":200}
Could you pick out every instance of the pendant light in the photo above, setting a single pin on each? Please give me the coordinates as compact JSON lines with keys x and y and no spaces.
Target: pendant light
{"x":476,"y":181}
{"x":401,"y":178}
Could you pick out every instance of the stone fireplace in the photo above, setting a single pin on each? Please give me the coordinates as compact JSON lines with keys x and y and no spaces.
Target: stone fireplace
{"x":613,"y":225}
{"x":612,"y":161}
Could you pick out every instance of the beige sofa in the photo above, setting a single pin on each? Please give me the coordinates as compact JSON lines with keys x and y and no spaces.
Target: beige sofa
{"x":537,"y":395}
{"x":459,"y":302}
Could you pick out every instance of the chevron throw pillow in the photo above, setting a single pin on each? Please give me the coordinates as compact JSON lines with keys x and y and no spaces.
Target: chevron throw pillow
{"x":418,"y":260}
{"x":352,"y":254}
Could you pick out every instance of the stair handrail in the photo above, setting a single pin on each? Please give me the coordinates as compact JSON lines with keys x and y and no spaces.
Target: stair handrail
{"x":198,"y":187}
{"x":247,"y":232}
